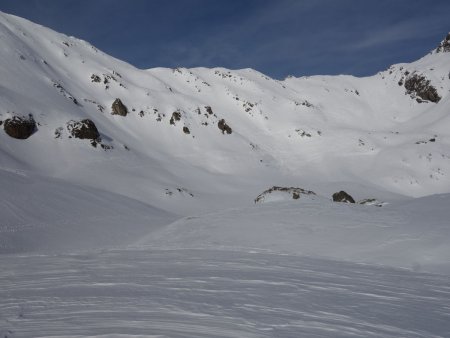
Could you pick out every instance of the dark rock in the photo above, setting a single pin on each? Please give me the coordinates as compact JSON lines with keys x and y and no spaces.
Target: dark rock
{"x":419,"y":85}
{"x":186,"y":130}
{"x":20,"y":127}
{"x":118,"y":108}
{"x":444,"y":46}
{"x":95,"y":78}
{"x":342,"y":196}
{"x":84,"y":129}
{"x":176,"y":116}
{"x":209,"y":110}
{"x":371,"y":202}
{"x":224,"y":127}
{"x":295,"y":192}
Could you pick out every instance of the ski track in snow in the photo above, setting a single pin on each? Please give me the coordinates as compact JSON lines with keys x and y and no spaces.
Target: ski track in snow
{"x":216,"y":293}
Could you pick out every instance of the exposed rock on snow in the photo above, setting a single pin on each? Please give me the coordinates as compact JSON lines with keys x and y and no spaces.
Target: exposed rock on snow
{"x":444,"y":46}
{"x":224,"y":127}
{"x":342,"y":196}
{"x":176,"y":116}
{"x":96,"y":78}
{"x":258,"y":110}
{"x":181,"y":191}
{"x":20,"y":127}
{"x":271,"y":194}
{"x":65,"y":93}
{"x":84,"y":129}
{"x":371,"y":201}
{"x":118,"y":108}
{"x":419,"y":85}
{"x":209,"y":110}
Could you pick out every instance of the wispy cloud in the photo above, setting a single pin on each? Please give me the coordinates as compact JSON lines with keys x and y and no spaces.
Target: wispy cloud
{"x":281,"y":37}
{"x":408,"y":30}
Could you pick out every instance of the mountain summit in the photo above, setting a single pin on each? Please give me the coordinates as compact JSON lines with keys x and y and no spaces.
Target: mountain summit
{"x":444,"y":46}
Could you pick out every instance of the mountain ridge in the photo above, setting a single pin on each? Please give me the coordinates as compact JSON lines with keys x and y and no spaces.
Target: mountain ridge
{"x":223,"y":135}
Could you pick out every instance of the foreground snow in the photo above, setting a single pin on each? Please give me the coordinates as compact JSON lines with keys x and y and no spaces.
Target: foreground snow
{"x":216,"y":293}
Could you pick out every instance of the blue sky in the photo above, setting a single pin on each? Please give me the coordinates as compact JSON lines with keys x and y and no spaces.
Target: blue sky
{"x":276,"y":37}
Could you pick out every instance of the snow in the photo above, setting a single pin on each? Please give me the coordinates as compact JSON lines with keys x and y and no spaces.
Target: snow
{"x":412,"y":234}
{"x":215,"y":293}
{"x":158,"y":234}
{"x":301,"y":131}
{"x":48,"y":215}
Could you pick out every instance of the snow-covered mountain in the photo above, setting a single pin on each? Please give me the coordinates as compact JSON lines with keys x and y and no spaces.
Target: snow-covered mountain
{"x":189,"y":140}
{"x":198,"y":202}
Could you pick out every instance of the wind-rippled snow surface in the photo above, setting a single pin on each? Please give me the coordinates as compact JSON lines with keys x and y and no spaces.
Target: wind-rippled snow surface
{"x":216,"y":293}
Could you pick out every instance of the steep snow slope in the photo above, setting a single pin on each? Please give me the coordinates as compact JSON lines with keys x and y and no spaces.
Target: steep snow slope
{"x":315,"y":132}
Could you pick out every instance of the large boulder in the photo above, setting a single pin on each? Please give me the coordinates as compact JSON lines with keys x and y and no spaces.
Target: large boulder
{"x":224,"y":127}
{"x":342,"y":196}
{"x":84,"y":129}
{"x":20,"y":127}
{"x":118,"y":108}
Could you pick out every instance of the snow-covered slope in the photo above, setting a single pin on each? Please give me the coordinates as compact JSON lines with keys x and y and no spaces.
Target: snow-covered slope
{"x":316,"y":132}
{"x":413,"y":234}
{"x":40,"y":214}
{"x":173,"y":167}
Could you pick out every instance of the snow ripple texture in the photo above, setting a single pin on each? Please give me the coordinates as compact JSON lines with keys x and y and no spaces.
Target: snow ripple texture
{"x":216,"y":293}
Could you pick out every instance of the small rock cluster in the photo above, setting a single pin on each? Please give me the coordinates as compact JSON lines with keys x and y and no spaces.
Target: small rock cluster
{"x":419,"y":86}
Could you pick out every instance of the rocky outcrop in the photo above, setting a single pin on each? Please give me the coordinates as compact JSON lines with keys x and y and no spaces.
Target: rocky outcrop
{"x":20,"y":127}
{"x":84,"y":129}
{"x":186,"y":130}
{"x":224,"y":127}
{"x":118,"y":108}
{"x":294,"y":193}
{"x":371,"y":201}
{"x":343,"y":197}
{"x":176,"y":116}
{"x":419,"y":86}
{"x":444,"y":46}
